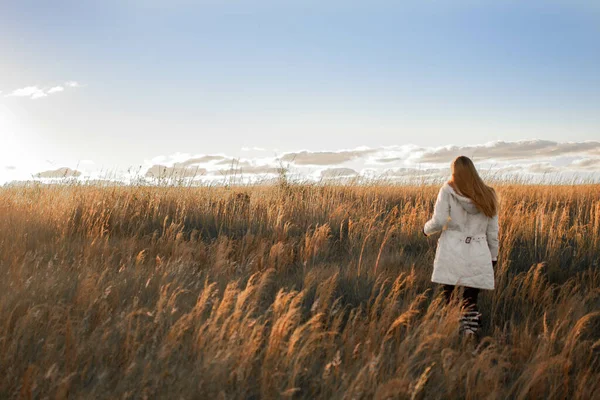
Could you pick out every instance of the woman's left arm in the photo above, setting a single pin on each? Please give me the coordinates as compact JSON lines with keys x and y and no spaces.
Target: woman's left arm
{"x":492,"y":236}
{"x":441,"y":213}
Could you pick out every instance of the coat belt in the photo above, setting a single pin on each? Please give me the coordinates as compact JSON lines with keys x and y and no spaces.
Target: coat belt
{"x":468,"y":238}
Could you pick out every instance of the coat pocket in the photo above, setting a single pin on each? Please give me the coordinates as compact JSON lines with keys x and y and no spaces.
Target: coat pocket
{"x":451,"y":249}
{"x":480,"y":254}
{"x":481,"y":249}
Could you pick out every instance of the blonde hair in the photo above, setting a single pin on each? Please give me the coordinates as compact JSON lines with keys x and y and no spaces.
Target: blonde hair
{"x":468,"y":182}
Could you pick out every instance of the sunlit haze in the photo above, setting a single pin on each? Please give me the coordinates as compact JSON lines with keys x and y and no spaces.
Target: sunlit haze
{"x":115,"y":89}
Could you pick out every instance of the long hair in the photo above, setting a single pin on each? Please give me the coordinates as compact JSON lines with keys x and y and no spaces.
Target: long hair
{"x":466,"y":179}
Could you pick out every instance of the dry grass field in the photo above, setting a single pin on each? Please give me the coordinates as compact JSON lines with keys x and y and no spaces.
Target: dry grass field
{"x":288,"y":291}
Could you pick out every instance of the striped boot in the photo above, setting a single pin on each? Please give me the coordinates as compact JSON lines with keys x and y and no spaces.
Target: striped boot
{"x":469,"y":323}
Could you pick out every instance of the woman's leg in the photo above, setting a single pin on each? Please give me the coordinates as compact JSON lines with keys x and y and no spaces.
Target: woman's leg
{"x":470,"y":297}
{"x":470,"y":319}
{"x":447,"y":292}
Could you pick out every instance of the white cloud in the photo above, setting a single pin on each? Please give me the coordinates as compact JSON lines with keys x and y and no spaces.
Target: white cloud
{"x":386,"y":160}
{"x":325,"y":157}
{"x":35,"y":92}
{"x":543,"y":168}
{"x":187,"y":159}
{"x":63,"y":172}
{"x":586,"y":163}
{"x":235,"y":162}
{"x":30,"y":91}
{"x":56,"y":89}
{"x":203,"y":160}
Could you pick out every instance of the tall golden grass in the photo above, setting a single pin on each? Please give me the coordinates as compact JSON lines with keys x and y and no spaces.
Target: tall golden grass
{"x":288,"y":291}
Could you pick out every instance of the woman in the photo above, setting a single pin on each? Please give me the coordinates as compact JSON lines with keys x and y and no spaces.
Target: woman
{"x":466,"y":212}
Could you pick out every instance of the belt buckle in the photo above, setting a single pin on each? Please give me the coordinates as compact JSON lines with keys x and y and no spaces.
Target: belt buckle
{"x":468,"y":239}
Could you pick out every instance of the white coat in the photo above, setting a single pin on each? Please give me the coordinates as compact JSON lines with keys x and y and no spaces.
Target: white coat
{"x":458,"y":259}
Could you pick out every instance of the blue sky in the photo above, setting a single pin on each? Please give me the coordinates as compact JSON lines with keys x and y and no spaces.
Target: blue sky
{"x":147,"y":81}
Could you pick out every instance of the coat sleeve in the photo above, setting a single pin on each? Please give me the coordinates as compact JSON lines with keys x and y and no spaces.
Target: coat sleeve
{"x":492,"y":236}
{"x":441,"y":213}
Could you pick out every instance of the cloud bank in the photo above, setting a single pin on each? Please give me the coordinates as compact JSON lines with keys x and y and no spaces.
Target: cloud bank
{"x":534,"y":157}
{"x":506,"y":151}
{"x":529,"y":158}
